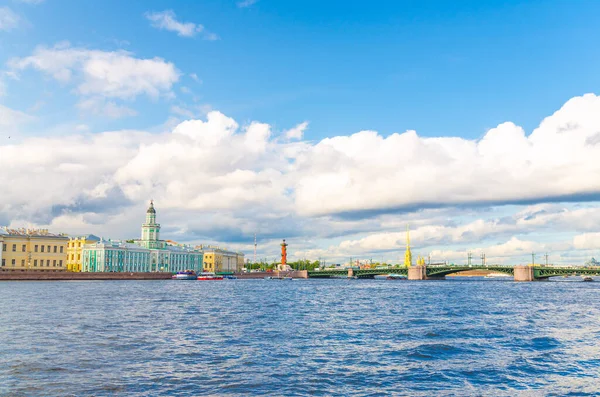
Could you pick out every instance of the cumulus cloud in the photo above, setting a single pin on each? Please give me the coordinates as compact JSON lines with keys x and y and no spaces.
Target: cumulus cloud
{"x":203,"y":168}
{"x":366,"y":171}
{"x":8,"y":19}
{"x":297,"y":132}
{"x":166,"y":20}
{"x":112,"y":74}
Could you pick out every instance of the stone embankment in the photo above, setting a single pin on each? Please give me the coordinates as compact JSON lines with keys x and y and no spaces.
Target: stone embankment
{"x":257,"y":275}
{"x":67,"y":276}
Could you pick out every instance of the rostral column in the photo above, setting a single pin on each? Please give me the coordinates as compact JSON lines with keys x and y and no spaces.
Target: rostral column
{"x":283,"y":254}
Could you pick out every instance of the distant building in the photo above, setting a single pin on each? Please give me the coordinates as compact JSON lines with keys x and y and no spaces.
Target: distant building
{"x":75,"y":251}
{"x":33,"y":249}
{"x":115,"y":256}
{"x":165,"y":257}
{"x":148,"y":254}
{"x":220,"y":260}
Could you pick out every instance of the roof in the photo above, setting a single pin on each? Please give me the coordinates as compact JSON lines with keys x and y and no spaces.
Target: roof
{"x":22,"y":232}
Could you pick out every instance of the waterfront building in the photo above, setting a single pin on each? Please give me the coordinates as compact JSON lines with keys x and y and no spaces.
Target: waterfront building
{"x":221,"y":260}
{"x":166,"y":257}
{"x":75,"y":251}
{"x":33,"y":249}
{"x":114,"y":256}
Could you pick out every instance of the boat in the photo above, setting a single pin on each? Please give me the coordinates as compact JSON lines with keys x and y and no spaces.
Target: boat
{"x":497,"y":275}
{"x":206,"y":276}
{"x":185,"y":275}
{"x":588,"y":278}
{"x":229,"y":277}
{"x":396,"y":277}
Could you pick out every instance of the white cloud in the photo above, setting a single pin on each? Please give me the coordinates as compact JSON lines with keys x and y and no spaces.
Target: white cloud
{"x":31,"y":1}
{"x":98,"y":106}
{"x":297,"y":132}
{"x":366,"y":171}
{"x":246,"y":3}
{"x":116,"y":74}
{"x":206,"y":169}
{"x":166,"y":20}
{"x":8,"y":19}
{"x":587,"y":241}
{"x":10,"y":119}
{"x":195,"y":77}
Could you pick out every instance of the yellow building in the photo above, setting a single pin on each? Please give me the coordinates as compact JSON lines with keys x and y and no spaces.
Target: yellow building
{"x":33,"y":249}
{"x":75,"y":249}
{"x":220,"y":260}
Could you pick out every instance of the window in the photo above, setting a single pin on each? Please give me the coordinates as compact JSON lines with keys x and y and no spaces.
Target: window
{"x":13,"y":262}
{"x":55,"y":249}
{"x":35,"y":262}
{"x":54,"y":263}
{"x":48,"y":248}
{"x":35,"y":248}
{"x":23,"y":248}
{"x":22,"y":262}
{"x":61,"y":249}
{"x":48,"y":263}
{"x":14,"y":247}
{"x":42,"y":248}
{"x":60,"y":263}
{"x":78,"y":257}
{"x":3,"y":262}
{"x":3,"y":247}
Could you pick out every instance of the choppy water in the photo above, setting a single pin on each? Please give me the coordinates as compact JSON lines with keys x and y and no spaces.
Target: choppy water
{"x":301,"y":337}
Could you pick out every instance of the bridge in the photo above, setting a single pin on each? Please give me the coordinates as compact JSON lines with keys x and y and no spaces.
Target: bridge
{"x":439,"y":272}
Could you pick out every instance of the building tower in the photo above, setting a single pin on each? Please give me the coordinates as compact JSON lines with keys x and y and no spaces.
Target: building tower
{"x":254,"y":248}
{"x":407,"y":254}
{"x":283,"y":254}
{"x":150,"y":229}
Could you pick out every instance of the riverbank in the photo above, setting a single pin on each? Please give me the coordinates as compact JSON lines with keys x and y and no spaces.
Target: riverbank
{"x":32,"y":275}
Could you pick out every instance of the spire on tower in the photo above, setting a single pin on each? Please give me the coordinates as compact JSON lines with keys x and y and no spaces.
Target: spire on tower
{"x":408,"y":253}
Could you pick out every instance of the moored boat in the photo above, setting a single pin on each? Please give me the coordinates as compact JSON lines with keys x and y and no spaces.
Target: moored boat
{"x":206,"y":276}
{"x":396,"y":277}
{"x":185,"y":275}
{"x":588,"y":278}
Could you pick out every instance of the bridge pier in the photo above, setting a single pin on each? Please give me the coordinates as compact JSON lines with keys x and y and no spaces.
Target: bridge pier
{"x":420,"y":273}
{"x":350,"y":273}
{"x":524,"y":273}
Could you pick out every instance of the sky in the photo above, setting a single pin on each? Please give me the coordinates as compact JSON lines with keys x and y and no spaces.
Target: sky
{"x":330,"y":124}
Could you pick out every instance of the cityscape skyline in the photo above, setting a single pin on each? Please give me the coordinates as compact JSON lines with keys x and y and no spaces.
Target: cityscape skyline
{"x":335,"y":150}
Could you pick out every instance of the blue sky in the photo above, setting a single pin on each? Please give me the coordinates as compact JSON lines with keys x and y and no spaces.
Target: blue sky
{"x":441,"y":68}
{"x":95,"y":98}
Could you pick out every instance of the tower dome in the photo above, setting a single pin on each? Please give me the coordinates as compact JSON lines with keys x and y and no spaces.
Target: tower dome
{"x":151,"y":209}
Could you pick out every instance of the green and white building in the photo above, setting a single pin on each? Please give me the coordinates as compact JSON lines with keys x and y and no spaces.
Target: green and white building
{"x":149,"y":254}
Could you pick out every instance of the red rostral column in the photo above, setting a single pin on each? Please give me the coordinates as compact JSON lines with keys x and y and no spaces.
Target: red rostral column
{"x":283,"y":253}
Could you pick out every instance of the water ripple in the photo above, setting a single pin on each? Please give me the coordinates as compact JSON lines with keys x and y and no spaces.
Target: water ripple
{"x":313,"y":337}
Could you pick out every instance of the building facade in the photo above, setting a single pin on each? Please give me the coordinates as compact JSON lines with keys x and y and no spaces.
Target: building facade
{"x":33,"y":249}
{"x":167,"y":257}
{"x":219,"y":260}
{"x":75,"y":251}
{"x":149,"y":254}
{"x":114,"y":256}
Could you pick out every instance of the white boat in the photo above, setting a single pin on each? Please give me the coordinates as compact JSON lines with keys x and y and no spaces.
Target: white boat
{"x":207,"y":276}
{"x":185,"y":275}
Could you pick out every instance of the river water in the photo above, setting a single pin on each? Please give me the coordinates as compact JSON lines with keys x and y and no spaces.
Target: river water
{"x":300,"y":337}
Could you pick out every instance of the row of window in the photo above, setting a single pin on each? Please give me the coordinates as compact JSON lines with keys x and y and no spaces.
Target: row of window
{"x":35,"y":248}
{"x":35,"y":262}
